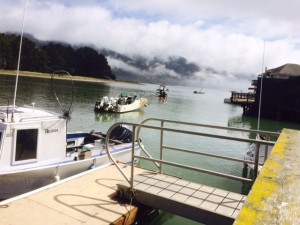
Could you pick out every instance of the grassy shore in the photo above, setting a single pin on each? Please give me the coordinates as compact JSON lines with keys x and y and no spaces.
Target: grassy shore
{"x":75,"y":78}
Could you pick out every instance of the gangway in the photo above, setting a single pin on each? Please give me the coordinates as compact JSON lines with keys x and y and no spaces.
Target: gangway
{"x":198,"y":202}
{"x":195,"y":201}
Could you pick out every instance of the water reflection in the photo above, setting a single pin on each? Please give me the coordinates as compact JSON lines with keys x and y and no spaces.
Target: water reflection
{"x":182,"y":105}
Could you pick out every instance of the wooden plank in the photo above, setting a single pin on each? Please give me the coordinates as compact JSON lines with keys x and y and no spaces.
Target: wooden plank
{"x":127,"y":218}
{"x":87,"y":198}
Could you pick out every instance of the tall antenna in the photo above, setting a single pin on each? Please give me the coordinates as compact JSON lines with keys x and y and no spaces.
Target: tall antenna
{"x":19,"y":59}
{"x":261,"y":83}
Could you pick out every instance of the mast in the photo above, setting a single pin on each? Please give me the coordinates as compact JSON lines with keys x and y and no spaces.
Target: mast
{"x":19,"y":59}
{"x":261,"y":83}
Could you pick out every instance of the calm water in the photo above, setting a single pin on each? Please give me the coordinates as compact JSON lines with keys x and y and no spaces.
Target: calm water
{"x":182,"y":105}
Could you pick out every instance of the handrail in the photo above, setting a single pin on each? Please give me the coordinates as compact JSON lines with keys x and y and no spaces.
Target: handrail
{"x":136,"y":128}
{"x":261,"y":132}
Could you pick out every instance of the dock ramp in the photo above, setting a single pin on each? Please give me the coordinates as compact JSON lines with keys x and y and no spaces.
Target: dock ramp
{"x":183,"y":197}
{"x":191,"y":200}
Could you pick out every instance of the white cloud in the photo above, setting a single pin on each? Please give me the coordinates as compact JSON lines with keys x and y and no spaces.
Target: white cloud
{"x":228,"y":37}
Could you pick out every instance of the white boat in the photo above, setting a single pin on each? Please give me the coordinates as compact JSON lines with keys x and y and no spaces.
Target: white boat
{"x":36,"y":150}
{"x":124,"y":102}
{"x":199,"y":92}
{"x":263,"y":153}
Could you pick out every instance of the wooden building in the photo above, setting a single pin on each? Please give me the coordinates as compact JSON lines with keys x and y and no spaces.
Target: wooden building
{"x":280,"y":98}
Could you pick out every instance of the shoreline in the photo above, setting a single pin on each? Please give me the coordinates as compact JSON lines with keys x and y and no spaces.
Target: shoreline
{"x":74,"y":78}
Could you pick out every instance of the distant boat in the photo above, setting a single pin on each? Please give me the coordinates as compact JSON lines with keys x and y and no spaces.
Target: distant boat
{"x":199,"y":92}
{"x":124,"y":102}
{"x":161,"y":93}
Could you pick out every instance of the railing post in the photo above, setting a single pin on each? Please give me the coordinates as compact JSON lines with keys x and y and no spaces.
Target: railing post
{"x":160,"y":163}
{"x":161,"y":146}
{"x":256,"y":161}
{"x":267,"y":148}
{"x":132,"y":156}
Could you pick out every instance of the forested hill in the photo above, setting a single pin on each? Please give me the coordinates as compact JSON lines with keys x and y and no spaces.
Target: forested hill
{"x":46,"y":57}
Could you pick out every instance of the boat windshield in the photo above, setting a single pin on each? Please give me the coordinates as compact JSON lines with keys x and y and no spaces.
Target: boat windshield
{"x":124,"y":94}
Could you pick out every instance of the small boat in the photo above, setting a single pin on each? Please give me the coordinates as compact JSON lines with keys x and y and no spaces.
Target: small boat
{"x":36,"y":150}
{"x":263,"y":152}
{"x":161,"y":93}
{"x":199,"y":92}
{"x":124,"y":102}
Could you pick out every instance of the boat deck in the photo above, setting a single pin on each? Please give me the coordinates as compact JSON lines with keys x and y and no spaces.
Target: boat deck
{"x":87,"y":198}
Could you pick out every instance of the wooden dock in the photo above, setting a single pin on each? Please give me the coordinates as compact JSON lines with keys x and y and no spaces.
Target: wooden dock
{"x":240,"y":98}
{"x":84,"y":199}
{"x":198,"y":202}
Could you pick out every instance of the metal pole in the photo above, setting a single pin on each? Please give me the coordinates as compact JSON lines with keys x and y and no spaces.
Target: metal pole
{"x":19,"y":59}
{"x":256,"y":161}
{"x":132,"y":156}
{"x":161,"y":146}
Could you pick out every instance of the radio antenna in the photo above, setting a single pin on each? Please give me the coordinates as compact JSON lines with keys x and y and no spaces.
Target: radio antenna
{"x":261,"y":83}
{"x":19,"y":59}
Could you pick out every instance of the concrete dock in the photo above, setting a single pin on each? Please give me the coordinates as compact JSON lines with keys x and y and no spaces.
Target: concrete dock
{"x":274,"y":197}
{"x":84,"y":199}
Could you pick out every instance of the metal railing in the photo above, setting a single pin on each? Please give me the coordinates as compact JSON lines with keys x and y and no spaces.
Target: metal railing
{"x":136,"y":129}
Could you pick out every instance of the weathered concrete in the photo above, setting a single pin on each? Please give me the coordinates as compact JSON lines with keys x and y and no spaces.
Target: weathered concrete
{"x":274,"y":198}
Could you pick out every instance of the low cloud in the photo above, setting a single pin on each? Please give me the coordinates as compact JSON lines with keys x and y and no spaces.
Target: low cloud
{"x":215,"y":43}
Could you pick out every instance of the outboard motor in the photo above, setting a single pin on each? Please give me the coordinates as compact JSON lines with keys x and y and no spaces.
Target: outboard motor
{"x":121,"y":133}
{"x":97,"y":105}
{"x":105,"y":100}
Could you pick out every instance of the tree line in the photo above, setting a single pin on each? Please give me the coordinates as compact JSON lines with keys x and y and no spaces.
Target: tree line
{"x":50,"y":56}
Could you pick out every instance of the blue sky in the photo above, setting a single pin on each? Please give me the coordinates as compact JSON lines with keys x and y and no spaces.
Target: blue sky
{"x":224,"y":35}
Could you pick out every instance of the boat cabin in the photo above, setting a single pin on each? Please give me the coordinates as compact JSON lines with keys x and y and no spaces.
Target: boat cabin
{"x":30,"y":137}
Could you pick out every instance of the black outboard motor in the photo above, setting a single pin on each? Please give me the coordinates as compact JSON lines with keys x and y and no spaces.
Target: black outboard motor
{"x":121,"y":133}
{"x":97,"y":106}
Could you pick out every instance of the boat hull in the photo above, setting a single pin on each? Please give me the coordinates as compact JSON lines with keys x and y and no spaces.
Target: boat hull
{"x":125,"y":102}
{"x":264,"y":152}
{"x":136,"y":105}
{"x":20,"y":182}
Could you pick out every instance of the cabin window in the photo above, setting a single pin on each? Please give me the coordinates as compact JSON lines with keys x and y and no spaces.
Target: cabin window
{"x":26,"y":144}
{"x":0,"y":140}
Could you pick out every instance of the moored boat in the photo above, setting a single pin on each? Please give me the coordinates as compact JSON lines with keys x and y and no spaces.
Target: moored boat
{"x":162,"y":93}
{"x":36,"y":150}
{"x":263,"y":153}
{"x":124,"y":102}
{"x":199,"y":92}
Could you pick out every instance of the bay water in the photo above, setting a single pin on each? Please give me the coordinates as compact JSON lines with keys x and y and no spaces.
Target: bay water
{"x":182,"y":105}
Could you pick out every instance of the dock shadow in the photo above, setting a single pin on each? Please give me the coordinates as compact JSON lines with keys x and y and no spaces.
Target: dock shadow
{"x":79,"y":202}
